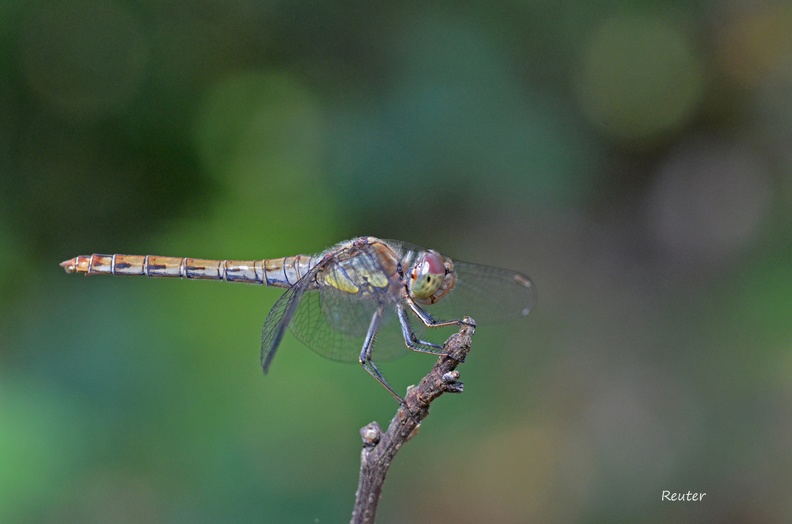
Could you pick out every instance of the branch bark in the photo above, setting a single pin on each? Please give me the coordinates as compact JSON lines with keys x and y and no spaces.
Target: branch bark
{"x":380,"y":448}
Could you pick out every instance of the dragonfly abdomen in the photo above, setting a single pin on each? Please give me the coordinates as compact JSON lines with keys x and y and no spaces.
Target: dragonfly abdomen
{"x":279,"y":272}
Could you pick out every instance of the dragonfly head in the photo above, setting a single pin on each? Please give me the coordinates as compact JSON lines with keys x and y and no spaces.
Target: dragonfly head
{"x":431,"y":277}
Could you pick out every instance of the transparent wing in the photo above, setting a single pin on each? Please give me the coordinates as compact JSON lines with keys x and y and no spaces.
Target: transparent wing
{"x":488,"y":294}
{"x":334,"y":324}
{"x":278,"y":318}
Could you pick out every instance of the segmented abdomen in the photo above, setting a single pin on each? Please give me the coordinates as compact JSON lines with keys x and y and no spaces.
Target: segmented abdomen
{"x":278,"y":272}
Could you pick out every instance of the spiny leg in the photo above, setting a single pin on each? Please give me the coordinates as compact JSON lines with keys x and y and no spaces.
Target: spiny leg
{"x":365,"y":354}
{"x":413,"y":342}
{"x":427,"y":319}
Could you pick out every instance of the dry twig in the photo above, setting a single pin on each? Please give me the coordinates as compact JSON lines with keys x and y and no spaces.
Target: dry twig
{"x":379,"y":448}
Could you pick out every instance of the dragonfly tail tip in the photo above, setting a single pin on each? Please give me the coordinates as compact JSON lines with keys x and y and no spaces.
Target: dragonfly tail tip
{"x":70,"y":266}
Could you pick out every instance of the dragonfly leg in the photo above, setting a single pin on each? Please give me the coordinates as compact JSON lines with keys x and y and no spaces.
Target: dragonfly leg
{"x":427,"y":319}
{"x":365,"y":354}
{"x":411,"y":340}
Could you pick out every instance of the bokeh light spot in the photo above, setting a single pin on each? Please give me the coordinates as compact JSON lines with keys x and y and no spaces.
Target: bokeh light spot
{"x":639,"y":78}
{"x":259,"y":129}
{"x":756,"y":44}
{"x":710,"y":199}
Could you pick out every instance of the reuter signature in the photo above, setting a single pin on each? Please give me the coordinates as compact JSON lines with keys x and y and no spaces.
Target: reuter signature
{"x":667,"y":495}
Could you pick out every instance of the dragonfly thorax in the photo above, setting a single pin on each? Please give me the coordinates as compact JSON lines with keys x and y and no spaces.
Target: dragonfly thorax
{"x":366,"y":267}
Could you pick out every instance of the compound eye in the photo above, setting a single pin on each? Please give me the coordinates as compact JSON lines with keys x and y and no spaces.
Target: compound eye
{"x":427,"y":275}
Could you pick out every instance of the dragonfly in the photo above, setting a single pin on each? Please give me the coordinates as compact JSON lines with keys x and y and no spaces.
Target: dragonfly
{"x":339,"y":301}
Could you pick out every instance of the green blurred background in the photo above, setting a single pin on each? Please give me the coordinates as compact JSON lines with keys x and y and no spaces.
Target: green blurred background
{"x":633,"y":158}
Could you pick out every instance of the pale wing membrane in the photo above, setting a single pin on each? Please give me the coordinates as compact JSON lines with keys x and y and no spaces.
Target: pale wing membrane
{"x":334,"y":324}
{"x":487,"y":294}
{"x":278,"y":318}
